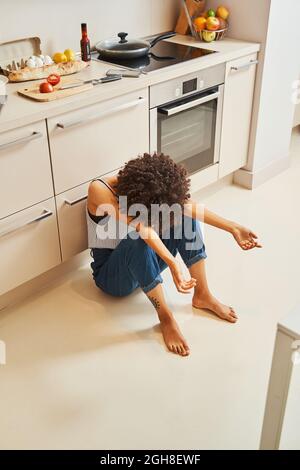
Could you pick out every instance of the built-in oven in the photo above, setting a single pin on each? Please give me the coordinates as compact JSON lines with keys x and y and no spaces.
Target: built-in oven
{"x":186,"y":118}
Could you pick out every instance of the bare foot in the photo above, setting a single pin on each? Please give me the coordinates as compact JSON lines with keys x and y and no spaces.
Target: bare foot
{"x":211,"y":303}
{"x":173,"y":338}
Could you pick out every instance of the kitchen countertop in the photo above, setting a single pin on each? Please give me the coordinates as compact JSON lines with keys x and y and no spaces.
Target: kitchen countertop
{"x":20,"y":111}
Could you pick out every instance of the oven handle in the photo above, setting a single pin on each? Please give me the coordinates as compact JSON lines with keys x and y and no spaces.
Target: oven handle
{"x":189,"y":105}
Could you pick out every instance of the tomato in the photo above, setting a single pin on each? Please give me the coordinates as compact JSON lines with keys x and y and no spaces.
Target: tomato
{"x":46,"y":87}
{"x":53,"y":79}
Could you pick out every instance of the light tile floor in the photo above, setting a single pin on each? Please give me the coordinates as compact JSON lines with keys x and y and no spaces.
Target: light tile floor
{"x":87,"y":371}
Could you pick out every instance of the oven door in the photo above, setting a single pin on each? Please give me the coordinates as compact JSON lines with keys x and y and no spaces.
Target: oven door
{"x":189,"y":129}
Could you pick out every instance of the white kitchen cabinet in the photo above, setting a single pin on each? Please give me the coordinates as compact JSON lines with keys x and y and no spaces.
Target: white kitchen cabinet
{"x":29,"y":244}
{"x":25,"y":171}
{"x":98,"y":139}
{"x":237,"y":113}
{"x":71,"y":213}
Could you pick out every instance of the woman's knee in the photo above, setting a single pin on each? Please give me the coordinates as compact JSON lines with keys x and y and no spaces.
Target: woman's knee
{"x":136,"y":247}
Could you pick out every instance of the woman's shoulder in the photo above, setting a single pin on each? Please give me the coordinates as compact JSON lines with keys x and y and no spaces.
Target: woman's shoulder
{"x":99,"y":192}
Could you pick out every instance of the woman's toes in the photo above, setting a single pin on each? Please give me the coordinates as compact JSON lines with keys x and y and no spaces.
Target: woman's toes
{"x":174,"y":349}
{"x":181,"y":350}
{"x":186,"y":349}
{"x":233,"y":318}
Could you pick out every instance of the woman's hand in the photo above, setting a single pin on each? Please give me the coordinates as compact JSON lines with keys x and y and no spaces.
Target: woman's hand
{"x":181,"y":284}
{"x":245,"y":238}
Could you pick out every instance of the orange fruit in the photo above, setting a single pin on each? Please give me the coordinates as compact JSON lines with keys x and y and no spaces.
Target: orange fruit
{"x":59,"y":57}
{"x":200,"y":23}
{"x":222,"y":12}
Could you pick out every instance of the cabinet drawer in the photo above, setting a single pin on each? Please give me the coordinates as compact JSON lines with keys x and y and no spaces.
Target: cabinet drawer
{"x":98,"y":139}
{"x":71,"y":212}
{"x":29,"y":244}
{"x":25,"y":171}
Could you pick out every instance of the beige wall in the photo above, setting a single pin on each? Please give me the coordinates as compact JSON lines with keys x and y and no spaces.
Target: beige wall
{"x":279,"y":63}
{"x":57,"y":22}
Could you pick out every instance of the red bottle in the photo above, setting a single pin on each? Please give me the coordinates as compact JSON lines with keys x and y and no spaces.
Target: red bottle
{"x":85,"y":44}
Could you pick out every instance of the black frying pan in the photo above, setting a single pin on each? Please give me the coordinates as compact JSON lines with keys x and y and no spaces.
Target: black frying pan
{"x":125,"y":49}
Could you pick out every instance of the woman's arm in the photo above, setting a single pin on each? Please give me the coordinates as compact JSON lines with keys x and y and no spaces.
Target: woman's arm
{"x":245,"y":237}
{"x":152,"y":239}
{"x":199,"y":212}
{"x":101,"y":200}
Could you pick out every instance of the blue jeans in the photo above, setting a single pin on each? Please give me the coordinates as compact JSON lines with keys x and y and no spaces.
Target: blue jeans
{"x":134,"y":264}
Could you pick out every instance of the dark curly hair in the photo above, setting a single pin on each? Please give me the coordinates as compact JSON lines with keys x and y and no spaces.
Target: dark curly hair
{"x":153,"y":179}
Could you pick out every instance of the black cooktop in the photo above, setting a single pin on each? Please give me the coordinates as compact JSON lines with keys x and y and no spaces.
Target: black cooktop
{"x":163,"y":54}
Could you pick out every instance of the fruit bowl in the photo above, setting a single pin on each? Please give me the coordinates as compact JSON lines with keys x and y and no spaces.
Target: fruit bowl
{"x":211,"y":25}
{"x":205,"y":33}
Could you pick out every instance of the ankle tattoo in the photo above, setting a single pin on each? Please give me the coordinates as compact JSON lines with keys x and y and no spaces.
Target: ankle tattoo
{"x":155,"y":302}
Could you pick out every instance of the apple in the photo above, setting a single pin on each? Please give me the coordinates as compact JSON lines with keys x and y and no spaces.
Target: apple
{"x":223,"y":23}
{"x":208,"y":36}
{"x":211,"y":13}
{"x":212,"y":24}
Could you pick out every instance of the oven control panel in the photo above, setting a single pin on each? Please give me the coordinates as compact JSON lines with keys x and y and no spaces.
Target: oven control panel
{"x":186,"y":85}
{"x":189,"y":86}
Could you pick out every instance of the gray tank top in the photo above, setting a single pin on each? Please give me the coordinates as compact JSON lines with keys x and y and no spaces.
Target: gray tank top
{"x":105,"y":231}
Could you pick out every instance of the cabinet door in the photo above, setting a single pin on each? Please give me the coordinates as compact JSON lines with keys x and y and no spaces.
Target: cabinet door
{"x":237,"y":113}
{"x":98,"y":139}
{"x":25,"y":171}
{"x":29,"y":244}
{"x":71,"y":213}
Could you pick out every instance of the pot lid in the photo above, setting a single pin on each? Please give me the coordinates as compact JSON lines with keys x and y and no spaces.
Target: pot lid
{"x":123,"y":44}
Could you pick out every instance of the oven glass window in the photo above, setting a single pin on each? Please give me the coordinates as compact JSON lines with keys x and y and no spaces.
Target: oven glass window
{"x":189,"y":136}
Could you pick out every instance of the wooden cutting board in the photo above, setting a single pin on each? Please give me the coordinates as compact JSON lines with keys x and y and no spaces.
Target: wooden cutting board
{"x":33,"y":91}
{"x":193,"y":7}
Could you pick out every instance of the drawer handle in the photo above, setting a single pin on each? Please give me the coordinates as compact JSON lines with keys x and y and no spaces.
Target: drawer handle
{"x":46,"y":213}
{"x":22,"y":140}
{"x":245,"y":66}
{"x":75,"y":201}
{"x":122,"y":107}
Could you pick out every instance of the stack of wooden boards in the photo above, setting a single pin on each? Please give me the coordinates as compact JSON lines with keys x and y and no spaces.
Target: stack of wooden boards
{"x":194,"y":8}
